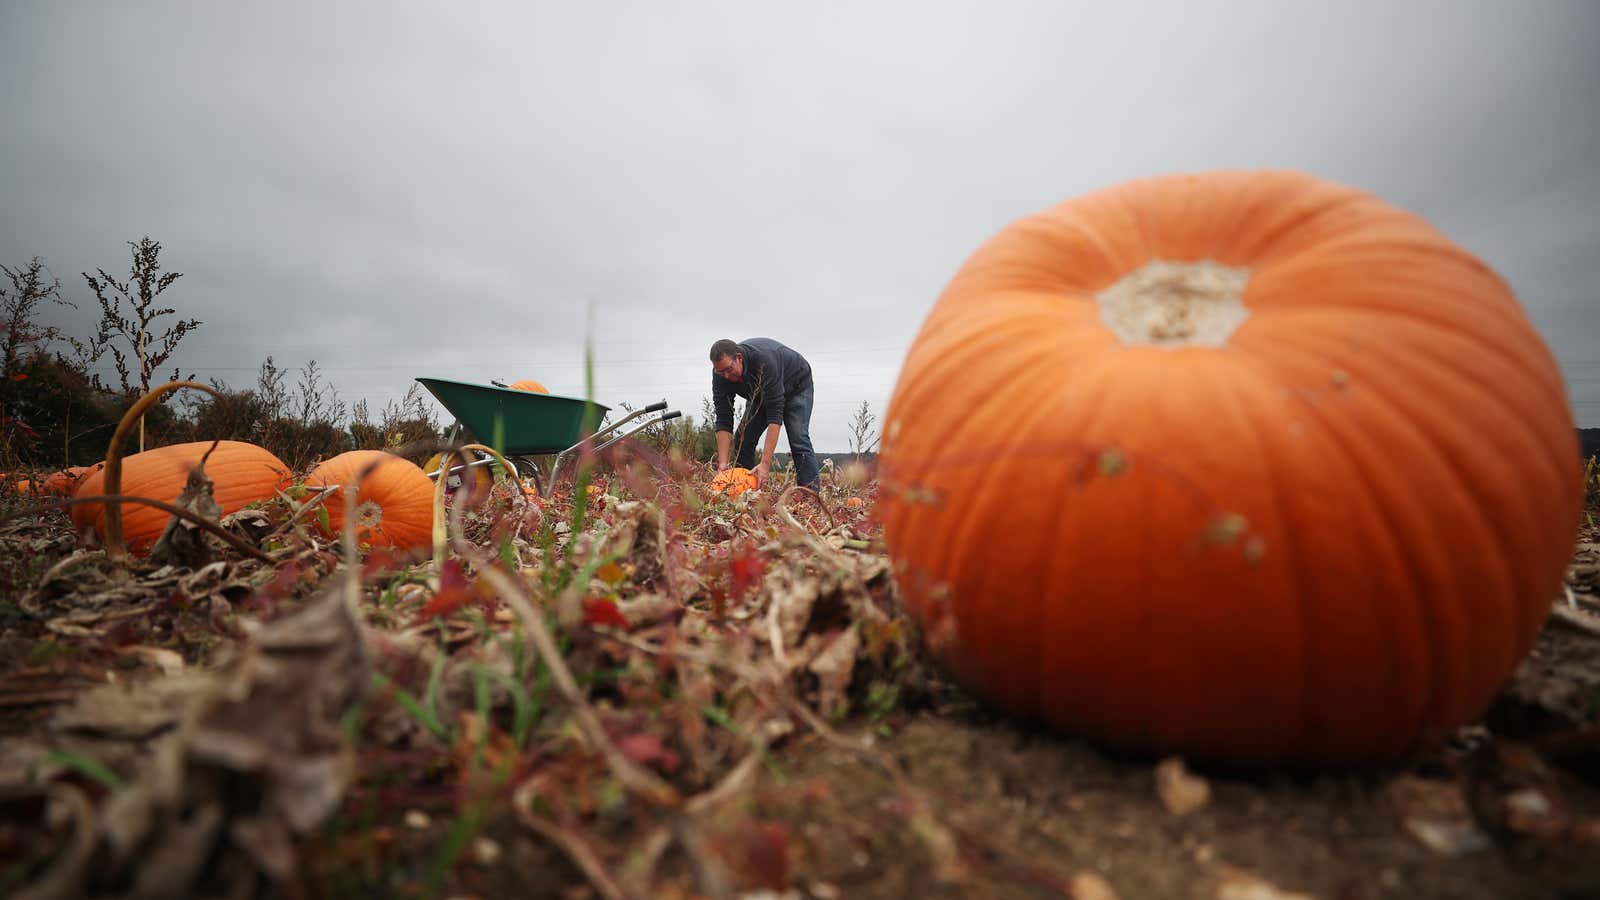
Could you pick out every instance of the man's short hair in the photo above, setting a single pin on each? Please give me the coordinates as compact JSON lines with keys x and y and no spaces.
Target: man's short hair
{"x":723,"y":348}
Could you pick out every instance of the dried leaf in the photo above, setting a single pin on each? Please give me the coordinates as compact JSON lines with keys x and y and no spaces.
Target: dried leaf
{"x":224,"y":768}
{"x":1238,"y":884}
{"x":1447,"y":837}
{"x":648,"y":608}
{"x":834,"y":667}
{"x":1087,"y":885}
{"x":1181,"y":793}
{"x":182,"y":542}
{"x":167,"y":661}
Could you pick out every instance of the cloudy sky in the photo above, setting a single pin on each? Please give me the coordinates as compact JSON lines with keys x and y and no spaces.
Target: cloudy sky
{"x":399,"y":190}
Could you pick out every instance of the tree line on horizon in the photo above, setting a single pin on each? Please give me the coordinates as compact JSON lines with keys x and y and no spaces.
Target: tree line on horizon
{"x":56,"y":410}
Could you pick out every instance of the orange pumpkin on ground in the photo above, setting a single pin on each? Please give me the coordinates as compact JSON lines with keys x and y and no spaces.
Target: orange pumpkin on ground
{"x":241,"y":473}
{"x":64,"y":482}
{"x":394,"y":503}
{"x":57,"y":484}
{"x":1301,"y":472}
{"x":734,"y":481}
{"x":855,"y":502}
{"x":528,"y":384}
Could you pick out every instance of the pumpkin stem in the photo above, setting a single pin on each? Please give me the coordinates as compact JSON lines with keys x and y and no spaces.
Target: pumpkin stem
{"x":1176,"y":304}
{"x":116,"y":548}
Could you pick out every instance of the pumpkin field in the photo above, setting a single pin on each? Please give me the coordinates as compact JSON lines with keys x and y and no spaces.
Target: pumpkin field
{"x":1335,"y":644}
{"x":636,"y":687}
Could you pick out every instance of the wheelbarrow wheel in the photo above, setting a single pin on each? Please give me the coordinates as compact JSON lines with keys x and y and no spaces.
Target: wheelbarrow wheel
{"x":528,"y":467}
{"x":474,"y":479}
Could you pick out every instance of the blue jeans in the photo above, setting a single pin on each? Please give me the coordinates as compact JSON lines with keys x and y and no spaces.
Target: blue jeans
{"x":797,"y":423}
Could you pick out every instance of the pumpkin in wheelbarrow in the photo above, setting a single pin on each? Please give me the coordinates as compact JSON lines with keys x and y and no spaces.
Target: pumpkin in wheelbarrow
{"x":528,"y":384}
{"x":1301,"y":477}
{"x":734,"y":482}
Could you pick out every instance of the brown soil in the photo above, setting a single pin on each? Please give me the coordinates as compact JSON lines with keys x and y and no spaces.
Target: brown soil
{"x":915,"y":791}
{"x":982,"y":807}
{"x":1036,"y":809}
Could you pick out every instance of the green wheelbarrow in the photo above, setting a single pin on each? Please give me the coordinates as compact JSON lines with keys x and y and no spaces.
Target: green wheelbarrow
{"x":525,"y":425}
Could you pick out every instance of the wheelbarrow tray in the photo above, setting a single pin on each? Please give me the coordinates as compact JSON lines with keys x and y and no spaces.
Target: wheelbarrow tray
{"x":526,"y":422}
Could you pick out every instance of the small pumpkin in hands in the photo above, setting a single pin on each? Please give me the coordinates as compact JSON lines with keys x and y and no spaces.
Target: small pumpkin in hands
{"x":734,"y":481}
{"x":394,"y":502}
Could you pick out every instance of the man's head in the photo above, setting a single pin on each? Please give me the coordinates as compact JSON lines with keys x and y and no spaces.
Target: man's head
{"x":727,"y":360}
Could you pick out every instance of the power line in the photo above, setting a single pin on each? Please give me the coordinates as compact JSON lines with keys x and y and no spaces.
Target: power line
{"x":601,"y":364}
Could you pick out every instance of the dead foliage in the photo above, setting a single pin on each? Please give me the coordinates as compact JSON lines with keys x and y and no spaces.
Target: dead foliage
{"x":629,"y":691}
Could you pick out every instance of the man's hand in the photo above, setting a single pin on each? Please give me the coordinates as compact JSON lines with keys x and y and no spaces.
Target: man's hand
{"x":760,"y":471}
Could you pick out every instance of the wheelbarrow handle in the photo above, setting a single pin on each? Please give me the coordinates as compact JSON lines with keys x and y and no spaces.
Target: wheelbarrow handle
{"x":657,"y":406}
{"x":600,"y":445}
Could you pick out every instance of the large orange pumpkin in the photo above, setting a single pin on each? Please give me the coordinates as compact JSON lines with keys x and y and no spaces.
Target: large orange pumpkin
{"x":1301,"y":480}
{"x":394,"y":504}
{"x":528,"y":384}
{"x":241,"y":473}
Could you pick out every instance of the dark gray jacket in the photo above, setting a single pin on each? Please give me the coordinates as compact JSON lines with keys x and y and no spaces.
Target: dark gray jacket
{"x":771,"y":373}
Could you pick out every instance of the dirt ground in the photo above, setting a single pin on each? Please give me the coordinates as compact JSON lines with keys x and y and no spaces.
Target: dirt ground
{"x":859,"y":773}
{"x":1016,"y":812}
{"x":1034,"y":810}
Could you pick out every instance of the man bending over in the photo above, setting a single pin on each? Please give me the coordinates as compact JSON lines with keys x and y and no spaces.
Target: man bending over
{"x":776,"y":383}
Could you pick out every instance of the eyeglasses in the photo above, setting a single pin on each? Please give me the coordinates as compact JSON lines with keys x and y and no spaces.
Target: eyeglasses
{"x":724,"y":371}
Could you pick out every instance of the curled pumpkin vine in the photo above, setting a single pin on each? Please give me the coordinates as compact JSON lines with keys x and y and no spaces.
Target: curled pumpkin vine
{"x":116,"y":547}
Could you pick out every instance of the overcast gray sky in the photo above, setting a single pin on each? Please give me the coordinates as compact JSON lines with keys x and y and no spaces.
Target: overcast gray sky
{"x":399,"y":190}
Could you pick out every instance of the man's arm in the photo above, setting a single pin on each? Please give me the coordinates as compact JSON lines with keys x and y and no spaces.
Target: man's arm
{"x":722,"y":404}
{"x":767,"y":446}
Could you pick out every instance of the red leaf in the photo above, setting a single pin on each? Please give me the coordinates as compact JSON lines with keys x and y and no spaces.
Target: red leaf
{"x":601,"y":611}
{"x":645,"y":748}
{"x":766,"y":846}
{"x":380,"y":560}
{"x":454,"y":592}
{"x":748,"y":567}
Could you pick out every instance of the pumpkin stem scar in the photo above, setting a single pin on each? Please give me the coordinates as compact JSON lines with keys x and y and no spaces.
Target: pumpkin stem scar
{"x":1176,"y":304}
{"x":368,"y":515}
